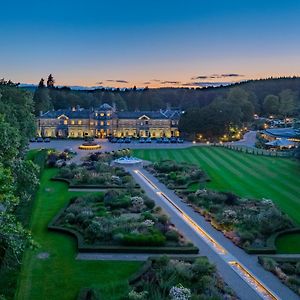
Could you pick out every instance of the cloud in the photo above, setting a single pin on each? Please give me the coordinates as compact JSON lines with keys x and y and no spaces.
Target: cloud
{"x":147,"y":82}
{"x":205,"y":84}
{"x":232,"y":75}
{"x":216,"y":76}
{"x":170,"y":82}
{"x":200,"y":77}
{"x":99,"y":82}
{"x":117,"y":80}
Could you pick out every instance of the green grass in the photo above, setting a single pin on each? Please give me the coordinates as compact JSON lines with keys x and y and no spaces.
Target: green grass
{"x":289,"y":243}
{"x":244,"y":174}
{"x":61,"y":276}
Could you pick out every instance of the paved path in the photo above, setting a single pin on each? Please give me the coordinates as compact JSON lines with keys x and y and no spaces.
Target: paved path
{"x":243,"y":290}
{"x":123,"y":256}
{"x":248,"y":140}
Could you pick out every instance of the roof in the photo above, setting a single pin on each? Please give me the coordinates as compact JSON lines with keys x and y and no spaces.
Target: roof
{"x":283,"y":132}
{"x":139,"y":114}
{"x":69,"y":113}
{"x":105,"y":107}
{"x":280,"y":143}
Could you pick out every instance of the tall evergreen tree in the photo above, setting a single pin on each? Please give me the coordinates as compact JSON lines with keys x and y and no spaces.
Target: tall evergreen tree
{"x":41,"y":98}
{"x":50,"y":81}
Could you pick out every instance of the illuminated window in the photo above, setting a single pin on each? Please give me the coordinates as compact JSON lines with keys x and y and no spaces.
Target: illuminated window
{"x":65,"y":122}
{"x":108,"y":123}
{"x":101,"y":123}
{"x":102,"y":114}
{"x":72,"y":122}
{"x":96,"y":114}
{"x":108,"y":114}
{"x":79,"y":122}
{"x":92,"y":123}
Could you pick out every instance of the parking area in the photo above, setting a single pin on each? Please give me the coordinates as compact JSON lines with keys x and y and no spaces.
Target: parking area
{"x":73,"y":144}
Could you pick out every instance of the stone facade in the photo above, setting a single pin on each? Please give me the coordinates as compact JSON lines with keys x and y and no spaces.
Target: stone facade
{"x":106,"y":121}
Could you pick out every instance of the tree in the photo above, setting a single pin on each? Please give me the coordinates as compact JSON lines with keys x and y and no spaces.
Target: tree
{"x":42,"y":100}
{"x":50,"y":81}
{"x":271,"y":104}
{"x":287,"y":102}
{"x":41,"y":83}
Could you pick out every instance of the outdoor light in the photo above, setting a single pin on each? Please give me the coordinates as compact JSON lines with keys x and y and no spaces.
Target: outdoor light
{"x":194,"y":142}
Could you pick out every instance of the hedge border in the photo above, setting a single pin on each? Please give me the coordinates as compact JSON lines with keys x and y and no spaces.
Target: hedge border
{"x":91,"y":186}
{"x":85,"y":248}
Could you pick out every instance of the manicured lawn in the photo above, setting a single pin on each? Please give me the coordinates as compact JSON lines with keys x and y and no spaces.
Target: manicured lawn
{"x":289,"y":243}
{"x":61,"y":276}
{"x":244,"y":174}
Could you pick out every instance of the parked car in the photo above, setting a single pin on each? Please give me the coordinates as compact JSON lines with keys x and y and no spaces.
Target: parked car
{"x":180,"y":140}
{"x":127,"y":140}
{"x":114,"y":140}
{"x":47,"y":140}
{"x":120,"y":140}
{"x":173,"y":140}
{"x":159,"y":140}
{"x":141,"y":140}
{"x":33,"y":140}
{"x":39,"y":140}
{"x":148,"y":140}
{"x":166,"y":140}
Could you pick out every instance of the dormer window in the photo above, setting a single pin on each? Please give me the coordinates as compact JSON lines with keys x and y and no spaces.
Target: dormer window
{"x":79,"y":122}
{"x":66,"y":122}
{"x":102,"y":114}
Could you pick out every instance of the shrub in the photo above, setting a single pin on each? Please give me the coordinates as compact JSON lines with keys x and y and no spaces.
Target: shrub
{"x":269,"y":263}
{"x":149,"y":203}
{"x":288,"y":268}
{"x":172,"y":235}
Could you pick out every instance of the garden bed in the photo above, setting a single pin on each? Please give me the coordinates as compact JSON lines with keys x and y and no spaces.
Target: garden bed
{"x":249,"y":223}
{"x":178,"y":278}
{"x":95,"y":174}
{"x":177,"y":175}
{"x":286,"y":269}
{"x":123,"y":221}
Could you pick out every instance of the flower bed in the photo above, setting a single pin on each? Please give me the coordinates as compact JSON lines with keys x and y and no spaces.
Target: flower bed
{"x":96,"y":173}
{"x":247,"y":222}
{"x":119,"y":220}
{"x":179,"y":278}
{"x":176,"y":175}
{"x":286,"y":269}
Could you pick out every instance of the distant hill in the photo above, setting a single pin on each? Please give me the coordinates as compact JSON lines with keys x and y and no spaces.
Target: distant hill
{"x":154,"y":99}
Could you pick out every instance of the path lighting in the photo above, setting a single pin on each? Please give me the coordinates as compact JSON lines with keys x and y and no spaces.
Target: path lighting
{"x":194,"y":142}
{"x":207,"y":142}
{"x":238,"y":267}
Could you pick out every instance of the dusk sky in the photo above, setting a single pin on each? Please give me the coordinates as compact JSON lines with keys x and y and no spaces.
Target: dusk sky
{"x":149,"y":43}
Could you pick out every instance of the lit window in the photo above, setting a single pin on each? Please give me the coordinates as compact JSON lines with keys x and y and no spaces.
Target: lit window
{"x":102,"y":114}
{"x":79,"y":122}
{"x":101,"y":123}
{"x":72,"y":122}
{"x":96,"y":114}
{"x":108,"y":114}
{"x":92,"y":123}
{"x":65,"y":122}
{"x":108,"y":123}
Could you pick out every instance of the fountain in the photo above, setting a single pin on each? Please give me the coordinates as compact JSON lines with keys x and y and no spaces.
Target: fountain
{"x":128,"y":161}
{"x":89,"y":144}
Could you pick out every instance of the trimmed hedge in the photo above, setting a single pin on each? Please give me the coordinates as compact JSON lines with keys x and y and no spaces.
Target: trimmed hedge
{"x":90,"y":186}
{"x":271,"y":242}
